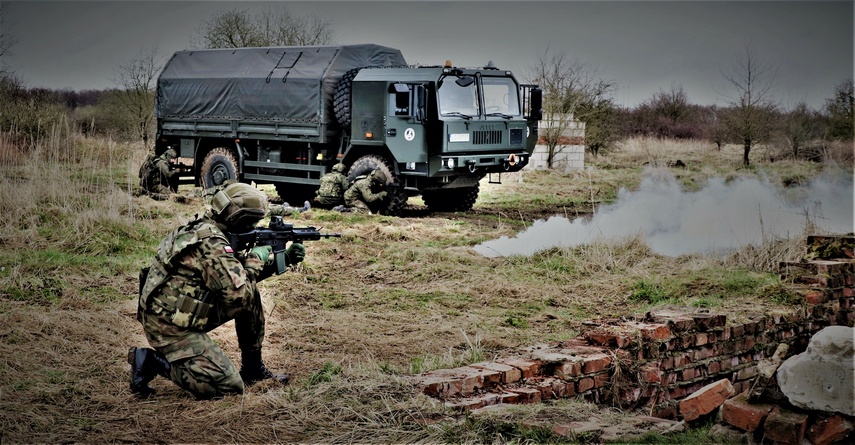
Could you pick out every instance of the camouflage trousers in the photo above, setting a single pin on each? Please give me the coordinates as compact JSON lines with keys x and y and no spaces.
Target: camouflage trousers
{"x":359,"y":206}
{"x":198,"y":364}
{"x":327,"y":202}
{"x":159,"y":192}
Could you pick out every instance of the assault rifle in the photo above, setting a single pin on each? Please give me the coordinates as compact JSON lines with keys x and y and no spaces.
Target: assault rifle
{"x":277,"y":235}
{"x":180,"y":166}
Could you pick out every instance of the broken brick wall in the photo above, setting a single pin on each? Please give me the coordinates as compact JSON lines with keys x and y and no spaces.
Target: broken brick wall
{"x":658,"y":360}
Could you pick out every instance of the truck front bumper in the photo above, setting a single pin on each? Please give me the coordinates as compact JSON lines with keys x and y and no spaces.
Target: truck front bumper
{"x":482,"y":163}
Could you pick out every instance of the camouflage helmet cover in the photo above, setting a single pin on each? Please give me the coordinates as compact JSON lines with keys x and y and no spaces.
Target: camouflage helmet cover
{"x":339,"y":167}
{"x":170,"y":153}
{"x":239,"y":205}
{"x":378,"y":176}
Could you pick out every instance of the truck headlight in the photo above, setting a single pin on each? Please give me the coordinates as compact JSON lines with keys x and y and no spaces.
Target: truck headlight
{"x":449,"y":163}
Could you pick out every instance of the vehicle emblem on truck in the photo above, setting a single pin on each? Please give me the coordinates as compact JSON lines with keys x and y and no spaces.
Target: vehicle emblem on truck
{"x":409,"y":134}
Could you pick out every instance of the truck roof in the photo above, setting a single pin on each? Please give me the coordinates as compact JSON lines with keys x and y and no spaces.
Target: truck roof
{"x":269,"y":83}
{"x":421,"y":73}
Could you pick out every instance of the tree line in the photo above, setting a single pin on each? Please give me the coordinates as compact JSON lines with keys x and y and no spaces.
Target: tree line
{"x":572,"y":89}
{"x":750,"y":116}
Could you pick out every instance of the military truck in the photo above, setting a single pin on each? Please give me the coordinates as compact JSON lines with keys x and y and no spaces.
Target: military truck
{"x":286,"y":115}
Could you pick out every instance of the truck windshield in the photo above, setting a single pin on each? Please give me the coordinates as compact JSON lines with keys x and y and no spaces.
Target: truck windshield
{"x":457,"y":100}
{"x":501,"y":96}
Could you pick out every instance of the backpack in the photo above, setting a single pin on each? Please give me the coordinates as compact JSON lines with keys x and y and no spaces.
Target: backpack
{"x":145,"y":168}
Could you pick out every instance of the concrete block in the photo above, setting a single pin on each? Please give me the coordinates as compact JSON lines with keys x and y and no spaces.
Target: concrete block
{"x":821,"y":378}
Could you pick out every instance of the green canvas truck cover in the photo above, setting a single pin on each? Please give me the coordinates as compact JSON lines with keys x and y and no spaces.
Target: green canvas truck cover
{"x":289,"y":84}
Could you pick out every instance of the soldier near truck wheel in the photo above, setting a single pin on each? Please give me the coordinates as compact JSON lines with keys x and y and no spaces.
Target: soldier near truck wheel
{"x":156,"y":173}
{"x":332,"y":188}
{"x":367,"y":192}
{"x":196,"y":283}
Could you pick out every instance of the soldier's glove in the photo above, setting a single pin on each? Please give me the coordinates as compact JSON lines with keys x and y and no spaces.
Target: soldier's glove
{"x":383,"y":195}
{"x":295,"y":253}
{"x":262,"y":252}
{"x":256,"y":261}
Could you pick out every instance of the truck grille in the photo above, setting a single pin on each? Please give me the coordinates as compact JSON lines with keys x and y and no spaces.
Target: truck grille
{"x":482,"y":137}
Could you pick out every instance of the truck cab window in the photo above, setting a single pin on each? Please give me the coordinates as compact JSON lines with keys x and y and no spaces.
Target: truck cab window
{"x":400,"y":99}
{"x":454,"y":98}
{"x":501,"y":96}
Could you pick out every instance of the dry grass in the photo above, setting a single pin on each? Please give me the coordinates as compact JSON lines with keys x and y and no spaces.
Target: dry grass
{"x":393,"y":297}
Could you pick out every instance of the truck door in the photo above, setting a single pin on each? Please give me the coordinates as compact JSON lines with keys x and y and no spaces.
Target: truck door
{"x":406,"y":135}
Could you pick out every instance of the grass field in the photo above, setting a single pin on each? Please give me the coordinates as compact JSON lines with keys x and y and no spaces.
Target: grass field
{"x":395,"y":296}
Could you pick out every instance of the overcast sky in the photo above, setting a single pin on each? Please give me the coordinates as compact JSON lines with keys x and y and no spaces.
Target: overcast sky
{"x":643,"y":46}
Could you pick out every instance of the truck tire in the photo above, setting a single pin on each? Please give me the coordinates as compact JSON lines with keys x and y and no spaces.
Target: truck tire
{"x":451,"y":200}
{"x":218,"y":167}
{"x":341,"y":98}
{"x":367,"y":164}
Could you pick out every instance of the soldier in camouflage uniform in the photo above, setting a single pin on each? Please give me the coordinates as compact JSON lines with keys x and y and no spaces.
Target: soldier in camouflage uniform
{"x":362,"y":195}
{"x":156,"y":174}
{"x":197,"y":283}
{"x":286,"y":210}
{"x":332,"y":188}
{"x":272,"y":210}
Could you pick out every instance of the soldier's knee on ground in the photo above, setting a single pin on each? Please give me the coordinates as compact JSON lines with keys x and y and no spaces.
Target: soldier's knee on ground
{"x":205,"y":378}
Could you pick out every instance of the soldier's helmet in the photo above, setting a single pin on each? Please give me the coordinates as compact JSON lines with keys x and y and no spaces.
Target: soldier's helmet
{"x":378,"y":176}
{"x":170,"y":153}
{"x":239,"y":206}
{"x":339,"y":167}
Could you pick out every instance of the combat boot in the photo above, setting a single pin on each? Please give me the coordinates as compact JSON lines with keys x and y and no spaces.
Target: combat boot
{"x":146,"y":364}
{"x":252,"y":370}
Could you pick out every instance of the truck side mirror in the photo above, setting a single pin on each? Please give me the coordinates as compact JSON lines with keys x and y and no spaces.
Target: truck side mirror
{"x":536,"y":111}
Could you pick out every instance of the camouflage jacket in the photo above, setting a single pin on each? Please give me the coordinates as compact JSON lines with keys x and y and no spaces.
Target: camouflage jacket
{"x":363,"y":190}
{"x":332,"y":188}
{"x":193,"y":272}
{"x":155,"y":171}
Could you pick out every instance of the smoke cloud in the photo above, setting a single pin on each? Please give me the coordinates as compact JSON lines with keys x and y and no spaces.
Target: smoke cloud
{"x":721,"y":216}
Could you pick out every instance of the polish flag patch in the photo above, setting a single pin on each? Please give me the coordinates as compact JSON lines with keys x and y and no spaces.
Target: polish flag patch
{"x":229,"y":249}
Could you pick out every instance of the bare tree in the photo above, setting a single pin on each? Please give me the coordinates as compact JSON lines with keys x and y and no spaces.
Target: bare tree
{"x":599,"y":113}
{"x":570,"y":88}
{"x":798,"y":127}
{"x":136,"y":79}
{"x":749,"y":94}
{"x":237,"y":28}
{"x":840,"y":109}
{"x":7,"y":40}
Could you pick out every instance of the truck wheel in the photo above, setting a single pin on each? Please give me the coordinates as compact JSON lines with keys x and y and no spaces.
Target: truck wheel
{"x":218,"y":167}
{"x":367,"y":164}
{"x":341,"y":98}
{"x":451,"y":200}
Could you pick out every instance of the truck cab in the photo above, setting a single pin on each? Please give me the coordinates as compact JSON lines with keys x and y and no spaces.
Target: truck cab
{"x":445,"y":127}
